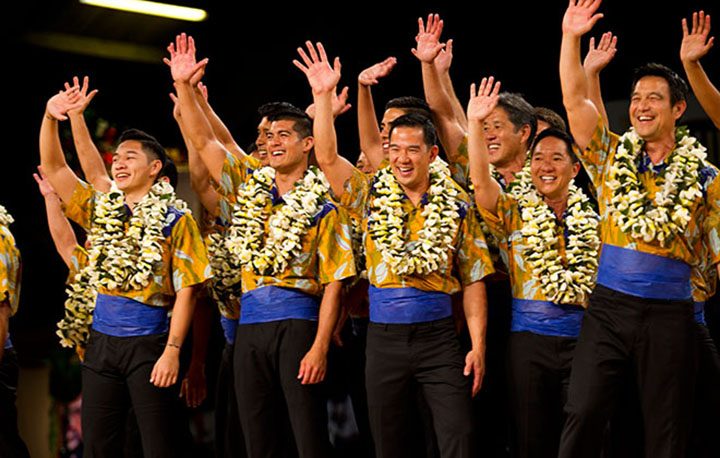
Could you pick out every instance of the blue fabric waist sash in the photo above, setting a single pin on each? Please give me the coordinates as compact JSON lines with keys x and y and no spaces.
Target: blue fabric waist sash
{"x":8,"y":342}
{"x":123,"y":317}
{"x":407,"y":305}
{"x":272,"y":303}
{"x":546,"y":318}
{"x":643,"y":274}
{"x":229,"y":328}
{"x":700,"y":313}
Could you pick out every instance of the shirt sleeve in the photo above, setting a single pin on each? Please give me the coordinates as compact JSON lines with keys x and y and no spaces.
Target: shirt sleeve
{"x":598,"y":152}
{"x":357,"y":189}
{"x":189,"y":264}
{"x":460,"y":166}
{"x":82,"y":204}
{"x":498,"y":222}
{"x":10,"y":268}
{"x":336,"y":261}
{"x":234,"y":173}
{"x":78,"y":260}
{"x":712,"y":221}
{"x":473,"y":256}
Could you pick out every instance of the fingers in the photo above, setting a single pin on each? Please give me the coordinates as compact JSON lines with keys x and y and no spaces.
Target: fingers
{"x":472,"y":91}
{"x":91,"y":95}
{"x":343,"y":96}
{"x":477,"y":380}
{"x":38,"y":180}
{"x":591,"y":46}
{"x":321,"y":51}
{"x":421,"y":27}
{"x":685,"y":28}
{"x":496,"y":90}
{"x":311,"y":50}
{"x":337,"y":66}
{"x":173,"y":97}
{"x":304,"y":57}
{"x":449,"y":46}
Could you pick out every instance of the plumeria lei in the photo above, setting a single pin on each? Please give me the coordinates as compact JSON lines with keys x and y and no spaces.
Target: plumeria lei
{"x":5,"y":218}
{"x":669,"y":212}
{"x":247,"y":241}
{"x":226,"y":280}
{"x":118,"y":258}
{"x":387,"y":223}
{"x":568,"y":283}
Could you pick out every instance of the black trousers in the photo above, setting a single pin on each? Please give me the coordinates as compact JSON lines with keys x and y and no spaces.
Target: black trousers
{"x":228,"y":433}
{"x":115,"y":376}
{"x":11,"y":445}
{"x":656,"y":340}
{"x":706,"y":421}
{"x":426,"y":355}
{"x":539,"y":376}
{"x":266,"y":363}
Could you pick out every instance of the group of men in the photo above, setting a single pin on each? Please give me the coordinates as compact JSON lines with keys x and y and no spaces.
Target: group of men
{"x":417,"y":253}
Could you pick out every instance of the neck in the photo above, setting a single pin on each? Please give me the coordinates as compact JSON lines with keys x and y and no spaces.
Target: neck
{"x":659,"y":149}
{"x":136,"y":195}
{"x":416,"y":193}
{"x":286,"y":180}
{"x":558,"y":205}
{"x":510,"y":168}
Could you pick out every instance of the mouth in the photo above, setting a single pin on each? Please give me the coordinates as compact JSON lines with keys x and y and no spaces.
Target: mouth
{"x":385,"y":145}
{"x":121,"y":176}
{"x":548,"y":179}
{"x":645,"y":118}
{"x":493,"y":146}
{"x":277,"y":153}
{"x":262,"y":154}
{"x":404,"y":171}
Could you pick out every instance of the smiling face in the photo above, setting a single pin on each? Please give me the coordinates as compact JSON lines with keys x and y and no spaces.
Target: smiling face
{"x":261,"y":141}
{"x":651,"y":111}
{"x":552,"y":168}
{"x":286,"y":149}
{"x":504,"y":142}
{"x":390,"y":115}
{"x":132,"y":168}
{"x":410,"y":158}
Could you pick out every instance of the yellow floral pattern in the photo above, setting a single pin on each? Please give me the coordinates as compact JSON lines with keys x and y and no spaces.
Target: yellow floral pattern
{"x":10,"y":269}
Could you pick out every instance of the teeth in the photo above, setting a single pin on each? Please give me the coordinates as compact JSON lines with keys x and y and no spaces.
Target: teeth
{"x":405,"y":169}
{"x":645,"y":118}
{"x":547,"y":178}
{"x":278,"y":153}
{"x":493,"y":146}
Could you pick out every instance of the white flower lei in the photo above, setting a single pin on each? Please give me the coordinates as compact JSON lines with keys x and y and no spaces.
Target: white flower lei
{"x":387,"y":223}
{"x":118,"y":258}
{"x":560,"y":284}
{"x":669,"y":212}
{"x":5,"y":218}
{"x":224,"y":286}
{"x":246,"y":240}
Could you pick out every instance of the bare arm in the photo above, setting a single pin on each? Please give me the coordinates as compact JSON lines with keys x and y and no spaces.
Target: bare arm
{"x":475,"y":308}
{"x":90,"y":159}
{"x":368,"y":128}
{"x":194,"y":385}
{"x":323,"y":80}
{"x":695,"y":45}
{"x":595,"y":61}
{"x":186,"y":73}
{"x":450,"y":128}
{"x":314,"y":364}
{"x":60,"y":229}
{"x":582,"y":114}
{"x":482,"y":103}
{"x":443,"y":61}
{"x":222,"y":133}
{"x":5,"y":312}
{"x":166,"y":368}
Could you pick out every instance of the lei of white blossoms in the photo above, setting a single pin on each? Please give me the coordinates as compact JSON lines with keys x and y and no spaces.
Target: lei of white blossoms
{"x":669,"y":213}
{"x":224,"y":286}
{"x":246,"y":240}
{"x":387,"y":223}
{"x":560,"y":284}
{"x":118,"y":258}
{"x":5,"y":218}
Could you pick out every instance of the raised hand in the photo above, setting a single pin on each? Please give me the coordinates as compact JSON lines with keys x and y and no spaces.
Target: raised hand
{"x":62,"y":102}
{"x":320,"y":75}
{"x":443,"y":61}
{"x":484,"y":100}
{"x":183,"y":66}
{"x":85,"y":98}
{"x":369,"y":76}
{"x":339,"y":104}
{"x":203,"y":90}
{"x":44,"y":185}
{"x":695,"y":43}
{"x":597,"y":58}
{"x":581,"y":16}
{"x":176,"y":106}
{"x":428,"y":39}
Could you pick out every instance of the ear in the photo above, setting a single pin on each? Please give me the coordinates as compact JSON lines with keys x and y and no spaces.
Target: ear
{"x":525,"y":134}
{"x":434,"y":151}
{"x":308,"y":144}
{"x":678,"y":109}
{"x":155,"y":167}
{"x":575,"y":169}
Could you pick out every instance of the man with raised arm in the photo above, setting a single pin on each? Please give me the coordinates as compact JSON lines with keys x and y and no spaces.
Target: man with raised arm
{"x":552,"y":262}
{"x":695,"y":46}
{"x":145,"y":258}
{"x":418,"y":230}
{"x":658,"y":200}
{"x":293,"y":246}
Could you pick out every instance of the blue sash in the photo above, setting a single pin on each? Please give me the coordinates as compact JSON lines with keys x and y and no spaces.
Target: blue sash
{"x":546,"y":318}
{"x":643,"y":274}
{"x":273,"y":303}
{"x":229,"y":328}
{"x":123,"y":317}
{"x":700,"y":313}
{"x":8,"y":342}
{"x":407,"y":305}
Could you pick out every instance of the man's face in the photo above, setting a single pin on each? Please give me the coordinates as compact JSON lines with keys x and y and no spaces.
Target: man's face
{"x":390,"y":115}
{"x":364,"y":165}
{"x":131,"y":168}
{"x":410,"y":157}
{"x":552,"y":168}
{"x":651,"y":113}
{"x":503,"y":142}
{"x":261,"y":141}
{"x":286,"y":150}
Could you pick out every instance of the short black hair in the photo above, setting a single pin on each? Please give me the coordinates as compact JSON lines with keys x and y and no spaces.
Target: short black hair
{"x":252,"y":147}
{"x":170,"y":172}
{"x":268,"y":109}
{"x":551,"y":117}
{"x":416,"y":120}
{"x":519,"y":112}
{"x":152,"y":148}
{"x":559,"y":134}
{"x":302,"y":124}
{"x":410,"y":104}
{"x":679,"y":90}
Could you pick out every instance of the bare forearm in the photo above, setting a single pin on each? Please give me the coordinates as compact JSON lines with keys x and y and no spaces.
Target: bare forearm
{"x":595,"y":95}
{"x":457,"y":107}
{"x":706,"y":93}
{"x":475,"y":308}
{"x":336,"y":168}
{"x":368,"y":128}
{"x":486,"y":189}
{"x":90,"y":160}
{"x":222,"y":133}
{"x":181,"y":317}
{"x":5,"y":313}
{"x":52,"y":159}
{"x":201,"y":325}
{"x":60,"y":229}
{"x":328,"y":315}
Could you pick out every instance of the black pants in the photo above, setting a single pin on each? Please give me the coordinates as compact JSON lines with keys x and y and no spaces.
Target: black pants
{"x":539,"y":376}
{"x":656,"y":340}
{"x":11,"y":445}
{"x":116,"y":375}
{"x":706,"y":421}
{"x":228,"y":434}
{"x":267,"y":362}
{"x":426,"y":355}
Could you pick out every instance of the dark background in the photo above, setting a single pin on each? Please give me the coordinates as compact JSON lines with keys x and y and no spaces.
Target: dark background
{"x":251,"y":46}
